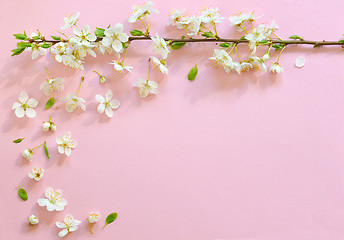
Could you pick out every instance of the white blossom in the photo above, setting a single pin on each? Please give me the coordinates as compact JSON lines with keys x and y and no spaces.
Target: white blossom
{"x":160,"y":46}
{"x":222,"y":59}
{"x":211,"y":15}
{"x":28,"y":154}
{"x":83,"y":36}
{"x":72,"y":61}
{"x":51,"y":85}
{"x":66,"y":143}
{"x":67,"y":225}
{"x":258,"y":34}
{"x":194,"y":25}
{"x":73,"y":102}
{"x":119,"y":66}
{"x":115,"y":37}
{"x":257,"y":63}
{"x":36,"y":50}
{"x":25,"y":106}
{"x":36,"y":173}
{"x":266,"y":57}
{"x":240,"y":18}
{"x":71,"y":20}
{"x":53,"y":200}
{"x":276,"y":68}
{"x":33,"y":220}
{"x":49,"y":125}
{"x":146,"y":87}
{"x":140,"y":11}
{"x":93,"y":217}
{"x":59,"y":49}
{"x":107,"y":104}
{"x":178,"y":19}
{"x":161,"y":64}
{"x":243,"y":66}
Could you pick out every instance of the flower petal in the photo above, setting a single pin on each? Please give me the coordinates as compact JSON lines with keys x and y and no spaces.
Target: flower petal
{"x":101,"y":108}
{"x":23,"y":97}
{"x":63,"y":233}
{"x":20,"y":112}
{"x":30,"y":113}
{"x":108,"y":112}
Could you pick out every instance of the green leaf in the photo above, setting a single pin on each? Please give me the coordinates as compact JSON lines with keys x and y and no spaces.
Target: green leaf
{"x":23,"y":44}
{"x":177,"y":45}
{"x":341,"y":41}
{"x":295,"y":37}
{"x":136,"y":33}
{"x":278,"y":46}
{"x":193,"y":73}
{"x":35,"y":37}
{"x":17,"y":51}
{"x":316,"y":45}
{"x":20,"y":36}
{"x":264,"y":42}
{"x":22,"y":193}
{"x":243,"y":38}
{"x":225,"y":45}
{"x":50,"y":103}
{"x":110,"y":218}
{"x":99,"y":32}
{"x":56,"y":38}
{"x":125,"y":45}
{"x":19,"y":140}
{"x":208,"y":34}
{"x":45,"y":45}
{"x":46,"y":149}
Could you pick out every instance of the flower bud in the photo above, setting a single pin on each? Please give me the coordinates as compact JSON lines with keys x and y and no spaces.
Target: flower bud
{"x":46,"y":126}
{"x":28,"y":154}
{"x":102,"y":79}
{"x":266,"y":57}
{"x":33,"y":220}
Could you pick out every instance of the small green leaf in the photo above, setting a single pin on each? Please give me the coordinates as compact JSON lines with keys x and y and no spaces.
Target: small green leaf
{"x":177,"y":45}
{"x":23,"y":44}
{"x":136,"y":33}
{"x":243,"y":38}
{"x":99,"y":32}
{"x":125,"y":45}
{"x":20,"y":36}
{"x":17,"y":51}
{"x":22,"y":193}
{"x":46,"y":149}
{"x":45,"y":45}
{"x":295,"y":37}
{"x":208,"y":34}
{"x":278,"y":46}
{"x":264,"y":42}
{"x":341,"y":41}
{"x":56,"y":38}
{"x":193,"y":73}
{"x":19,"y":140}
{"x":50,"y":103}
{"x":110,"y":218}
{"x":316,"y":45}
{"x":225,"y":45}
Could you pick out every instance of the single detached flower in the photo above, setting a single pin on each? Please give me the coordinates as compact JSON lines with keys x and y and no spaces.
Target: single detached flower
{"x":33,"y":220}
{"x":36,"y":174}
{"x":71,"y":20}
{"x":161,"y":64}
{"x":49,"y":125}
{"x":93,"y":218}
{"x":115,"y":37}
{"x":25,"y":106}
{"x":67,"y":225}
{"x":141,"y":11}
{"x":51,"y":85}
{"x":146,"y":87}
{"x":102,"y":78}
{"x":160,"y":46}
{"x":107,"y":104}
{"x":119,"y":66}
{"x":53,"y":200}
{"x":28,"y":153}
{"x":73,"y":102}
{"x":66,"y":143}
{"x":276,"y":68}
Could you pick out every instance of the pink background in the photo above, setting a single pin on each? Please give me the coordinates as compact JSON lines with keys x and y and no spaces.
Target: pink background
{"x":224,"y":157}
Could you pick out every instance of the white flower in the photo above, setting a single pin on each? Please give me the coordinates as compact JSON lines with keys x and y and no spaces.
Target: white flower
{"x":72,"y":61}
{"x":119,"y":67}
{"x":53,"y":200}
{"x":239,"y":18}
{"x":25,"y":106}
{"x":161,"y":64}
{"x":51,"y":85}
{"x":160,"y":46}
{"x":141,"y":11}
{"x":28,"y":154}
{"x":83,"y":36}
{"x":36,"y":50}
{"x":73,"y":102}
{"x":93,"y":217}
{"x":36,"y":173}
{"x":59,"y":50}
{"x":257,"y":63}
{"x":222,"y":59}
{"x":107,"y":104}
{"x":244,"y":66}
{"x":68,"y":225}
{"x":194,"y":25}
{"x":71,"y":20}
{"x":266,"y":57}
{"x":49,"y":125}
{"x":66,"y":144}
{"x":211,"y":15}
{"x":276,"y":68}
{"x":146,"y":87}
{"x":33,"y":220}
{"x":115,"y":37}
{"x":272,"y":28}
{"x":258,"y":34}
{"x":178,"y":19}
